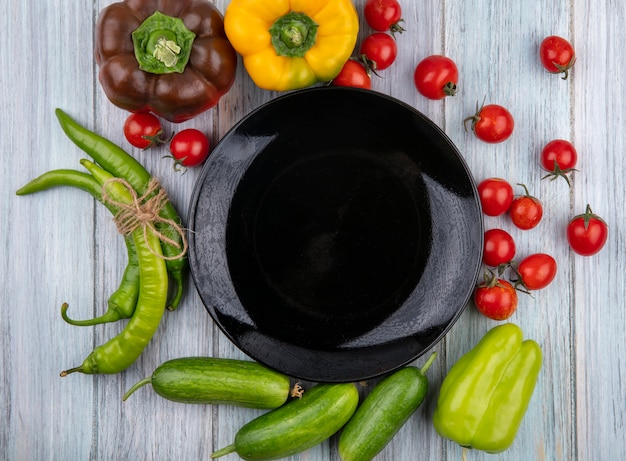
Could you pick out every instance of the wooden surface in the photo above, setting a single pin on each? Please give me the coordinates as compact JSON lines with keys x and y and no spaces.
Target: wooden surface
{"x":61,"y":246}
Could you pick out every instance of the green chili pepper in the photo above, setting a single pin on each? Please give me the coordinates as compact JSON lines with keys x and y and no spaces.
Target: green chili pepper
{"x":56,"y":178}
{"x":485,"y":395}
{"x":121,"y":303}
{"x":121,"y":351}
{"x":119,"y":163}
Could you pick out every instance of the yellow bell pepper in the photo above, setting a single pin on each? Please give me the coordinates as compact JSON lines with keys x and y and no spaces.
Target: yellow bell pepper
{"x":291,"y":44}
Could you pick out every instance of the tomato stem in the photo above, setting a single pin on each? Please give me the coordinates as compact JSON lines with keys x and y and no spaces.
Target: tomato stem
{"x":558,"y":172}
{"x":370,"y":66}
{"x":396,"y":28}
{"x":518,"y":283}
{"x":476,"y":117}
{"x":564,"y":69}
{"x":450,"y":89}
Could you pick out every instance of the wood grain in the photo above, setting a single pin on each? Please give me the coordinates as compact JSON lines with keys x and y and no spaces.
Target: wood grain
{"x":61,"y":246}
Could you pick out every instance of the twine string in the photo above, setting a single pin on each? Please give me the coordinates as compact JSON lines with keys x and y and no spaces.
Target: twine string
{"x":144,"y":212}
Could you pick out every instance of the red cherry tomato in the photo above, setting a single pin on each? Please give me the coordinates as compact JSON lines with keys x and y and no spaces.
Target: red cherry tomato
{"x":496,"y":196}
{"x":190,"y":147}
{"x":557,"y":55}
{"x":381,"y":49}
{"x":559,"y":158}
{"x":537,"y":271}
{"x":383,"y":15}
{"x":496,"y":299}
{"x":353,"y":74}
{"x":526,"y":211}
{"x":143,"y":130}
{"x":587,"y":233}
{"x":491,"y":123}
{"x":436,"y":77}
{"x":499,"y":247}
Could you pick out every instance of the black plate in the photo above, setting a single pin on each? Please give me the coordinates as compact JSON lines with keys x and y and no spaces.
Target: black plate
{"x":335,"y":234}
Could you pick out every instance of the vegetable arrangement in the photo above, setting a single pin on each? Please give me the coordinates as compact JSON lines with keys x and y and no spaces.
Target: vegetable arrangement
{"x":119,"y":163}
{"x":486,"y":393}
{"x":586,"y":233}
{"x":121,"y":351}
{"x":155,"y":243}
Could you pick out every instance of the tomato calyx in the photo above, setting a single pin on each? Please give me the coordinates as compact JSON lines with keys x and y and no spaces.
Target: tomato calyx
{"x":564,"y":69}
{"x":518,"y":282}
{"x":526,"y":193}
{"x":177,"y":164}
{"x":396,"y":28}
{"x":450,"y":89}
{"x":558,"y":172}
{"x":474,"y":118}
{"x":370,"y":65}
{"x":492,"y":279}
{"x":156,"y":139}
{"x":587,"y":216}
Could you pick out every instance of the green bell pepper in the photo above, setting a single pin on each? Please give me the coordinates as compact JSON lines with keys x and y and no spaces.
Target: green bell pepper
{"x":486,"y":393}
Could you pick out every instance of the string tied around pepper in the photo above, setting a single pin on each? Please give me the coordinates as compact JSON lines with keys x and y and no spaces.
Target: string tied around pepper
{"x":144,"y":212}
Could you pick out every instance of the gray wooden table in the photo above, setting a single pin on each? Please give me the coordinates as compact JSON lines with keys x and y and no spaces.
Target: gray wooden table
{"x":61,"y":246}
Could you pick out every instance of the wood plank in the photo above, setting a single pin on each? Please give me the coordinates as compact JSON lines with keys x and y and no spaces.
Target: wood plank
{"x":598,"y":313}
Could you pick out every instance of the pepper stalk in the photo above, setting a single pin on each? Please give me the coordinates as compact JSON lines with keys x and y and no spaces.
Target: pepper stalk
{"x":162,"y":44}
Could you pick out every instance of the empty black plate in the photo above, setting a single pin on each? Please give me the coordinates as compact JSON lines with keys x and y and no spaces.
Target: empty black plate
{"x":335,"y":234}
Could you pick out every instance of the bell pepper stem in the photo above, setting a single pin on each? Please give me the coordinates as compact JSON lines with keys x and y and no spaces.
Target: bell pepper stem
{"x":162,"y":44}
{"x":293,"y":34}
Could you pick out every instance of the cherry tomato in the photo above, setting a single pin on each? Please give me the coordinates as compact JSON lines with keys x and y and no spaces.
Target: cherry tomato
{"x":381,"y":49}
{"x":559,"y":158}
{"x":537,"y":271}
{"x":499,"y":247}
{"x":557,"y":55}
{"x":587,"y":233}
{"x":190,"y":147}
{"x":143,"y":130}
{"x":383,"y":15}
{"x":496,"y":196}
{"x":496,"y":299}
{"x":436,"y":77}
{"x":491,"y":123}
{"x":526,"y":211}
{"x":353,"y":74}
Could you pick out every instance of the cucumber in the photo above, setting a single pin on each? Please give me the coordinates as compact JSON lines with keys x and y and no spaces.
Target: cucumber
{"x":383,"y":412}
{"x":297,"y":426}
{"x":206,"y":380}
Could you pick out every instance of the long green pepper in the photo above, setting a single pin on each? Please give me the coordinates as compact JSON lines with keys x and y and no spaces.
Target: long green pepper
{"x":121,"y":304}
{"x":121,"y":351}
{"x":119,"y":163}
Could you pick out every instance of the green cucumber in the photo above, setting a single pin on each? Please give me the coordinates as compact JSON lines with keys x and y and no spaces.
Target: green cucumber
{"x":383,"y":412}
{"x":297,"y":426}
{"x":206,"y":380}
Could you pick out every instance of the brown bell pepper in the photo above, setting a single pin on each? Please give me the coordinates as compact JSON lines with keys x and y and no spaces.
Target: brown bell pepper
{"x":169,"y":57}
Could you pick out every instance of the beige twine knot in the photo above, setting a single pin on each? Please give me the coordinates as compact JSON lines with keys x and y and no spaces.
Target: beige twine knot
{"x":144,"y":211}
